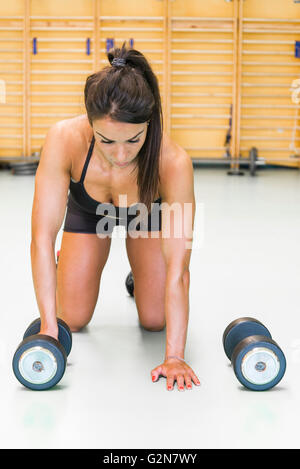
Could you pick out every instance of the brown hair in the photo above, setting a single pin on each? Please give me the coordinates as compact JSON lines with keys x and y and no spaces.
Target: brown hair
{"x":130,"y":93}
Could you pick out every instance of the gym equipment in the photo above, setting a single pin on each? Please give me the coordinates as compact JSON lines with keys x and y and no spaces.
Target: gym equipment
{"x":129,"y":284}
{"x":258,"y":362}
{"x":23,"y":169}
{"x":64,"y":333}
{"x":21,"y":165}
{"x":40,"y":361}
{"x":253,"y":160}
{"x":24,"y":166}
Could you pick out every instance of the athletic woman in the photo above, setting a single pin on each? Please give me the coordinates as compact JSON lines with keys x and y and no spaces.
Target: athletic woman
{"x":116,"y":157}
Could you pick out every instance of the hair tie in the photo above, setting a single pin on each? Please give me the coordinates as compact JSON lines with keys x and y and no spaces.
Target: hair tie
{"x":118,"y":62}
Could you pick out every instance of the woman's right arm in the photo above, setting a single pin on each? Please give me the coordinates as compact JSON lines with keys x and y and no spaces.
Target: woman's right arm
{"x":49,"y":204}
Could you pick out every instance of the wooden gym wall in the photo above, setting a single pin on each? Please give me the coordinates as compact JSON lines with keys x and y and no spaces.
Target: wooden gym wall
{"x":215,"y":60}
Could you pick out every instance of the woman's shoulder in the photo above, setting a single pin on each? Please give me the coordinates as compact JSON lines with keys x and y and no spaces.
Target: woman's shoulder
{"x":76,"y":129}
{"x":76,"y":135}
{"x":176,"y":172}
{"x":173,"y":156}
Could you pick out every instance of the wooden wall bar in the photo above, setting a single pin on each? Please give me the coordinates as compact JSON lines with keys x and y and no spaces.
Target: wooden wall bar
{"x":216,"y":61}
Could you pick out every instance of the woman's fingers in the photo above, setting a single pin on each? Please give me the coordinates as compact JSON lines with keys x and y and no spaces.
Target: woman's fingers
{"x":179,"y":372}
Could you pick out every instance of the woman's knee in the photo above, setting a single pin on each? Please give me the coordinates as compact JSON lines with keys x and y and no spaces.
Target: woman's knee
{"x":76,"y":329}
{"x":75,"y":322}
{"x":153,"y":327}
{"x":153,"y":324}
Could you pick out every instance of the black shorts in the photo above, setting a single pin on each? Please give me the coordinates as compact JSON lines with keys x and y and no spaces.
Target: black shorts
{"x":108,"y":216}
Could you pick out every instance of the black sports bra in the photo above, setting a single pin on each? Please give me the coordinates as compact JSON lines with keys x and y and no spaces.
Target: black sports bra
{"x":79,"y":195}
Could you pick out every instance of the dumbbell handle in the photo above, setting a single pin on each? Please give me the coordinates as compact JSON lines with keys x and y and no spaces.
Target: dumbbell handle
{"x":51,"y":332}
{"x":60,"y":331}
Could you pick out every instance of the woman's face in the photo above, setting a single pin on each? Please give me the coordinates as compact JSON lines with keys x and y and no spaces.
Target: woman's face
{"x":119,"y":142}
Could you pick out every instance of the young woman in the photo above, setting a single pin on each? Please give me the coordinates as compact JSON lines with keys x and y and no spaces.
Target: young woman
{"x":116,"y":152}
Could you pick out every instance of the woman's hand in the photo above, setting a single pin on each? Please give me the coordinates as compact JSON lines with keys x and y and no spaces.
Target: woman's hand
{"x":172,"y":369}
{"x":52,"y":332}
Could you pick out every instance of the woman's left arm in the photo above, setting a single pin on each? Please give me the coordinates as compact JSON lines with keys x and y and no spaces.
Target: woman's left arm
{"x":178,"y":212}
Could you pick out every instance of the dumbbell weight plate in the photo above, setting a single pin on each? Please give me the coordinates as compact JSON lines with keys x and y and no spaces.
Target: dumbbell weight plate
{"x":259,"y":363}
{"x":39,"y":362}
{"x":240,"y":329}
{"x":129,"y":284}
{"x":27,"y":172}
{"x":253,"y":159}
{"x":64,"y":333}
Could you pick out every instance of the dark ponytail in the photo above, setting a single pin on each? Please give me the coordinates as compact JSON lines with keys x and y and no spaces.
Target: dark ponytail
{"x":129,"y":92}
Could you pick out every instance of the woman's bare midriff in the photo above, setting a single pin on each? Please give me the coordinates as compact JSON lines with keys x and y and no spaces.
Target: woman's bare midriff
{"x":102,"y":184}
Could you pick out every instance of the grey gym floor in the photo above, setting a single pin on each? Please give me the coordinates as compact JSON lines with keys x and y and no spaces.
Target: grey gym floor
{"x":247,"y":264}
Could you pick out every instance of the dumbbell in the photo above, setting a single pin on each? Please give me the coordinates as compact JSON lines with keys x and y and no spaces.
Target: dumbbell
{"x":258,"y":361}
{"x":40,"y":360}
{"x":129,"y":284}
